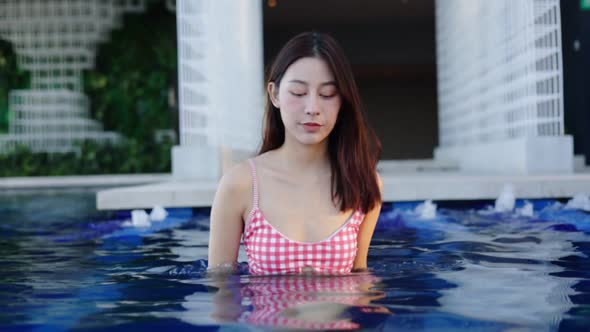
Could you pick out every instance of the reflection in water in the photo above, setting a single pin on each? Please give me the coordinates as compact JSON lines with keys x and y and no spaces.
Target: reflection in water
{"x":308,"y":301}
{"x":508,"y":294}
{"x":509,"y":274}
{"x":66,"y":267}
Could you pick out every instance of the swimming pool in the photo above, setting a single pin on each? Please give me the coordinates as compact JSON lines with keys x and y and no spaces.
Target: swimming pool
{"x":66,"y":266}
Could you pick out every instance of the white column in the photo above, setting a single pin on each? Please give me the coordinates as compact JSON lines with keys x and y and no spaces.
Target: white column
{"x":220,"y":71}
{"x":500,"y":86}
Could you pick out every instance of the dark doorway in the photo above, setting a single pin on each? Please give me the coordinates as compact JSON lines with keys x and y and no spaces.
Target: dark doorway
{"x":575,"y":32}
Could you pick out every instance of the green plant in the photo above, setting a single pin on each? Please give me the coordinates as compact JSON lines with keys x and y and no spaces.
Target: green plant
{"x":11,"y":77}
{"x":135,"y":70}
{"x":93,"y":158}
{"x":128,"y":91}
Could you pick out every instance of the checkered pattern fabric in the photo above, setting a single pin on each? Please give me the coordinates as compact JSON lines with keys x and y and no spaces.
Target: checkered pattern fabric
{"x":272,"y":296}
{"x":270,"y":252}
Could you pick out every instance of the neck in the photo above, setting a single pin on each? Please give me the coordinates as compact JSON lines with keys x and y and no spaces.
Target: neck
{"x":302,"y":157}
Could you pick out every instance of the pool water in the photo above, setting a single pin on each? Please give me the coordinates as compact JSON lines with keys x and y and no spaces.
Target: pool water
{"x":66,"y":267}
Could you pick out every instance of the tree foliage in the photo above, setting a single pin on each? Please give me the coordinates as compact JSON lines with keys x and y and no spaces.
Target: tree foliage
{"x":129,"y":91}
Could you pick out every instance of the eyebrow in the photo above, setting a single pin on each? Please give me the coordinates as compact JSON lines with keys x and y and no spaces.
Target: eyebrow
{"x":305,"y":83}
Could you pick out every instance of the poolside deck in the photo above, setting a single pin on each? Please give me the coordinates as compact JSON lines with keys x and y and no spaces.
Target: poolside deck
{"x":403,"y":181}
{"x":49,"y":184}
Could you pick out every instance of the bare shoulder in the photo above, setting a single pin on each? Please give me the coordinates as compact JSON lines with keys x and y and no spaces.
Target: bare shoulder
{"x":379,"y":181}
{"x":233,"y":192}
{"x":238,"y":179}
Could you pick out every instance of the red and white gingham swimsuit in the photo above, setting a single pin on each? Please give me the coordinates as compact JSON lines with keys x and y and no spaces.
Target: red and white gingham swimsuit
{"x":271,"y":296}
{"x":270,"y":252}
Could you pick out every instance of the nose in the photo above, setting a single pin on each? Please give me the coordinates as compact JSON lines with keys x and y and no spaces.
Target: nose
{"x":313,"y":106}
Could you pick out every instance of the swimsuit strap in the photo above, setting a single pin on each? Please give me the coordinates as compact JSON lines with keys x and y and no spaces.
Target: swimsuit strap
{"x":254,"y":184}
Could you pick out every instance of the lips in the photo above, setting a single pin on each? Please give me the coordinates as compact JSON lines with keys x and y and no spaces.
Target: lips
{"x":311,"y":126}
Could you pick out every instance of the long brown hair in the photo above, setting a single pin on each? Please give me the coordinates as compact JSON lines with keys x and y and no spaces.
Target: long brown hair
{"x":353,"y":147}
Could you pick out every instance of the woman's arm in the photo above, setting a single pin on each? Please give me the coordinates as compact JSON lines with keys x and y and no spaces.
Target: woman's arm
{"x":226,"y":223}
{"x":366,"y":233}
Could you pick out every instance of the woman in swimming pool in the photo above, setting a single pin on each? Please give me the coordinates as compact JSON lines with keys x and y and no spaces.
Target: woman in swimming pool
{"x":309,"y":201}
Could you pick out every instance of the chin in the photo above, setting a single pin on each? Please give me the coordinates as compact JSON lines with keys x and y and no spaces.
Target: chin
{"x":311,"y":140}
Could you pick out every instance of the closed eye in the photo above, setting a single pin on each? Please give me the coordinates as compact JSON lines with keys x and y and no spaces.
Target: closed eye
{"x":328,"y":96}
{"x":298,"y":94}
